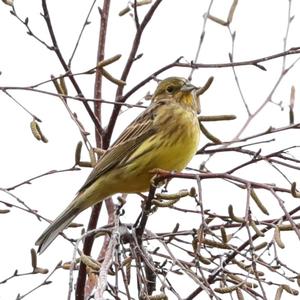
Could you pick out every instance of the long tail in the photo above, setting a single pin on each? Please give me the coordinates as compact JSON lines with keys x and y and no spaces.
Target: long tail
{"x":58,"y":225}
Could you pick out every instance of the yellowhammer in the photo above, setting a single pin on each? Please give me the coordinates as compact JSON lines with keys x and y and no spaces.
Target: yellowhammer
{"x":164,"y":136}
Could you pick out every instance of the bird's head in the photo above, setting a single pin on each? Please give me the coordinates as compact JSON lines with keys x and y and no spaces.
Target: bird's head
{"x":177,"y":89}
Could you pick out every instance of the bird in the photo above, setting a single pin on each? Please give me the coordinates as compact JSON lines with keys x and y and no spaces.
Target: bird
{"x":164,"y":136}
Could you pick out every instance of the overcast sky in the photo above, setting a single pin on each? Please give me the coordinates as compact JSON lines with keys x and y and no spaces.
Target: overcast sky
{"x":174,"y":31}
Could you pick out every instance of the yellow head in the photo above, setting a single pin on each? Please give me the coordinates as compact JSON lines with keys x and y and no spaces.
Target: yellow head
{"x":177,"y":89}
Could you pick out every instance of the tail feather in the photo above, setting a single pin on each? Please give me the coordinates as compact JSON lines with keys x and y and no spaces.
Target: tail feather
{"x":54,"y":229}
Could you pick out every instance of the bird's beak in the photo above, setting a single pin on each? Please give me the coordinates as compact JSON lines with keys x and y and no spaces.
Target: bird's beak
{"x":187,"y":87}
{"x":197,"y":103}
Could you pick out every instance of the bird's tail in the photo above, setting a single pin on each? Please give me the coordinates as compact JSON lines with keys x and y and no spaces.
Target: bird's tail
{"x":58,"y":225}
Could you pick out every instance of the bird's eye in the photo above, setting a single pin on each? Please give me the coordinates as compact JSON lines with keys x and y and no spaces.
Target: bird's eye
{"x":170,"y":89}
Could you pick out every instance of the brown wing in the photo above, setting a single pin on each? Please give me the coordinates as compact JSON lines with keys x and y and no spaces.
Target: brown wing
{"x":131,"y":138}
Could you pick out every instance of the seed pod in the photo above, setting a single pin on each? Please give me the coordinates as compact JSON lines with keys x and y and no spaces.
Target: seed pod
{"x":231,"y":11}
{"x":113,"y":79}
{"x":224,"y":235}
{"x":279,"y":293}
{"x":258,"y":202}
{"x":92,"y":157}
{"x":63,"y":86}
{"x":4,"y":211}
{"x":193,"y":192}
{"x":235,"y":277}
{"x":216,"y":118}
{"x":108,"y":61}
{"x":286,"y":227}
{"x":277,"y":238}
{"x":226,"y":289}
{"x":232,"y":215}
{"x":33,"y":258}
{"x":36,"y":131}
{"x":290,"y":290}
{"x":239,"y":294}
{"x":213,"y":243}
{"x":78,"y":152}
{"x":86,"y":164}
{"x":38,"y":270}
{"x":211,"y":137}
{"x":256,"y":229}
{"x":90,"y":262}
{"x":260,"y":246}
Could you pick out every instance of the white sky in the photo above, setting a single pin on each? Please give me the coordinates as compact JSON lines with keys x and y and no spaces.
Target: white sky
{"x":174,"y":31}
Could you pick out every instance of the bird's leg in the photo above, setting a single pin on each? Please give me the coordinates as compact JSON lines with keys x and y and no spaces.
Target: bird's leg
{"x":158,"y":179}
{"x":160,"y":172}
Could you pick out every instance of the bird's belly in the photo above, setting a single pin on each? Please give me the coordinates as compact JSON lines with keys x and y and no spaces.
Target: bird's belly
{"x":159,"y":152}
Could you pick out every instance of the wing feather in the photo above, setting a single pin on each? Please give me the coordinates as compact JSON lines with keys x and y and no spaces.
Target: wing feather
{"x":131,"y":138}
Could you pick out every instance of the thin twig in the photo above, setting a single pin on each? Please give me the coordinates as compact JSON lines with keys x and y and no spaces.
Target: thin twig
{"x":202,"y":35}
{"x":65,"y":66}
{"x":86,"y":22}
{"x":127,"y":68}
{"x":29,"y":181}
{"x":22,"y":106}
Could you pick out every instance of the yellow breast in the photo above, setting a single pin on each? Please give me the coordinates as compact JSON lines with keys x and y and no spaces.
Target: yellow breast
{"x":170,"y":149}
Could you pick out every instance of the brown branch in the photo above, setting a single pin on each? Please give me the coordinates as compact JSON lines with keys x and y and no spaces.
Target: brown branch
{"x":22,"y":106}
{"x":202,"y":36}
{"x":270,"y":130}
{"x":65,"y":66}
{"x":107,"y":261}
{"x":129,"y":63}
{"x":86,"y":22}
{"x":87,"y":247}
{"x":88,"y":243}
{"x":230,"y":178}
{"x":25,"y":22}
{"x":100,"y":57}
{"x":177,"y":63}
{"x":232,"y":255}
{"x":28,"y":181}
{"x":76,"y":98}
{"x":140,"y":227}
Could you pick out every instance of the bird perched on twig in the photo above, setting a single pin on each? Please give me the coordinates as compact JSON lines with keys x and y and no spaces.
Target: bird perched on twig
{"x":165,"y":136}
